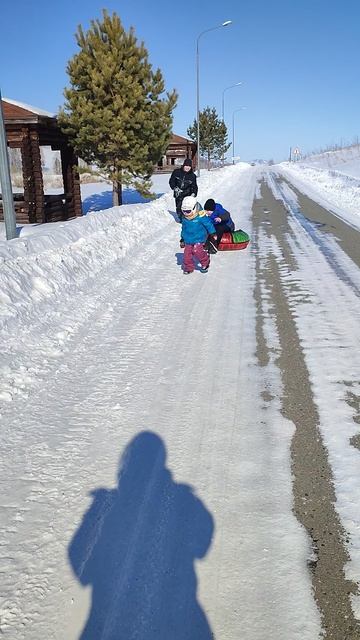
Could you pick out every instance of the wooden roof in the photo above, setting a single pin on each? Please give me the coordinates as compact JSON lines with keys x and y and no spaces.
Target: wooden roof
{"x":180,"y":140}
{"x":18,"y":112}
{"x":20,"y":118}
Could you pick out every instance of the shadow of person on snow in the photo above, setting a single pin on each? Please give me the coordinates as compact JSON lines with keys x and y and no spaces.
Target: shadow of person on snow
{"x":174,"y":215}
{"x":179,"y":258}
{"x":137,"y":545}
{"x":180,"y":261}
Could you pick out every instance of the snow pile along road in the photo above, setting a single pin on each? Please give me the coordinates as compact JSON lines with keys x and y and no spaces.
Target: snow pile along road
{"x":335,"y":191}
{"x":345,"y":160}
{"x":45,"y":277}
{"x":38,"y":267}
{"x":44,"y":265}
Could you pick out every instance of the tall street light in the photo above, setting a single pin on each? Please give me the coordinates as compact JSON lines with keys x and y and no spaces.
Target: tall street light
{"x":224,"y":24}
{"x":233,"y":131}
{"x":237,"y":84}
{"x":223,"y":101}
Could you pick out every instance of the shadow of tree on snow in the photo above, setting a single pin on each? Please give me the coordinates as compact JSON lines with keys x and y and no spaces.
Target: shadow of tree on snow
{"x":103,"y":200}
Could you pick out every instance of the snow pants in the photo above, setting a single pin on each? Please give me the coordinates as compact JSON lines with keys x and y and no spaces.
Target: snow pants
{"x":220,"y":229}
{"x":178,"y":203}
{"x":197,"y":252}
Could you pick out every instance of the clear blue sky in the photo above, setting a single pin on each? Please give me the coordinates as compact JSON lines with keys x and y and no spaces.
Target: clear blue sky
{"x":298,"y":61}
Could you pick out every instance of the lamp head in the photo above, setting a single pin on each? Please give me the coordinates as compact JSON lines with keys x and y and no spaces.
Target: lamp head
{"x":226,"y":23}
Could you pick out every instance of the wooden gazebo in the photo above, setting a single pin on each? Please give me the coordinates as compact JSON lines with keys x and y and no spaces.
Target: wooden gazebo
{"x":177,"y":150}
{"x":27,"y":129}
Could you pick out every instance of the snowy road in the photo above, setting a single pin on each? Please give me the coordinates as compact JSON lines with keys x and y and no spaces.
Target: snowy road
{"x":306,"y":273}
{"x":152,"y":485}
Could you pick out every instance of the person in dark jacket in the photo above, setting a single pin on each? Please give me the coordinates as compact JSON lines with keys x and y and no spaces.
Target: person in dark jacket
{"x":220,"y":218}
{"x":183,"y":183}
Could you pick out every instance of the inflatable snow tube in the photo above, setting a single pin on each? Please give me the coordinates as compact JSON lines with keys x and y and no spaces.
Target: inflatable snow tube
{"x":233,"y":241}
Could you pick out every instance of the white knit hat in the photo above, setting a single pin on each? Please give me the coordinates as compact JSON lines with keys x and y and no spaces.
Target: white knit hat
{"x":189,"y":203}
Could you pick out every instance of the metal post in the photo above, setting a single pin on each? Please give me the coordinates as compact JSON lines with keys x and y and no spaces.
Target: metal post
{"x":237,"y":84}
{"x":233,"y":137}
{"x":198,"y":107}
{"x":224,"y":24}
{"x":222,"y":117}
{"x":233,"y":131}
{"x":5,"y":181}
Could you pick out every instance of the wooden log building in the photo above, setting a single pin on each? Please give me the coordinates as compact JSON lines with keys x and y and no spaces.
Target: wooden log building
{"x":178,"y":149}
{"x":27,"y":129}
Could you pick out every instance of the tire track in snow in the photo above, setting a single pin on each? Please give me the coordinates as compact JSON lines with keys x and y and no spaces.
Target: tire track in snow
{"x":174,"y":355}
{"x":313,"y":480}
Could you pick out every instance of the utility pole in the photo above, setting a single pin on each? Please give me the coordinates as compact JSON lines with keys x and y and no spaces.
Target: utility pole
{"x":233,"y":131}
{"x":5,"y":181}
{"x":198,"y":107}
{"x":223,"y":111}
{"x":290,"y":154}
{"x":223,"y":24}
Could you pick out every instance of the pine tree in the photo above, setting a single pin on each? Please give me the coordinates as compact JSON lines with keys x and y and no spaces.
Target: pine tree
{"x":114,"y":112}
{"x":213,"y":134}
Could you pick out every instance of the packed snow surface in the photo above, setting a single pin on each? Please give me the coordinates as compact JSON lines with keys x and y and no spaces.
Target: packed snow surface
{"x":324,"y":293}
{"x":135,"y":431}
{"x":337,"y":191}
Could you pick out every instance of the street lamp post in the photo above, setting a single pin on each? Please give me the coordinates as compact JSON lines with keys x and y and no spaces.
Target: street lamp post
{"x":223,"y":101}
{"x":233,"y":131}
{"x":237,"y":84}
{"x":224,"y":24}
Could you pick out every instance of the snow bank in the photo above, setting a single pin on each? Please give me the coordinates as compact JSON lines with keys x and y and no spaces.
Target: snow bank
{"x":332,"y":189}
{"x":62,"y":256}
{"x":345,"y":160}
{"x":37,"y":267}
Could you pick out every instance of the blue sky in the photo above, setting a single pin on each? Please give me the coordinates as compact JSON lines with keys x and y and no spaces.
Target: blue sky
{"x":298,"y":61}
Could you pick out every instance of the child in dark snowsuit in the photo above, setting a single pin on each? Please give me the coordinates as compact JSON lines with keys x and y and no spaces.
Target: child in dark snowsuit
{"x":220,"y":217}
{"x":195,"y":230}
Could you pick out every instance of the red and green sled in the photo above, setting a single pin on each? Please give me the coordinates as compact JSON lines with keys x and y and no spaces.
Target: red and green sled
{"x":234,"y":240}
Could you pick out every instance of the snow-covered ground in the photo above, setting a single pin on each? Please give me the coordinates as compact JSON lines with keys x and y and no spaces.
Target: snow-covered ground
{"x":105,"y":340}
{"x":339,"y":193}
{"x":327,"y":316}
{"x":49,"y":259}
{"x":332,"y":179}
{"x":345,"y":160}
{"x":96,"y":196}
{"x":107,"y":353}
